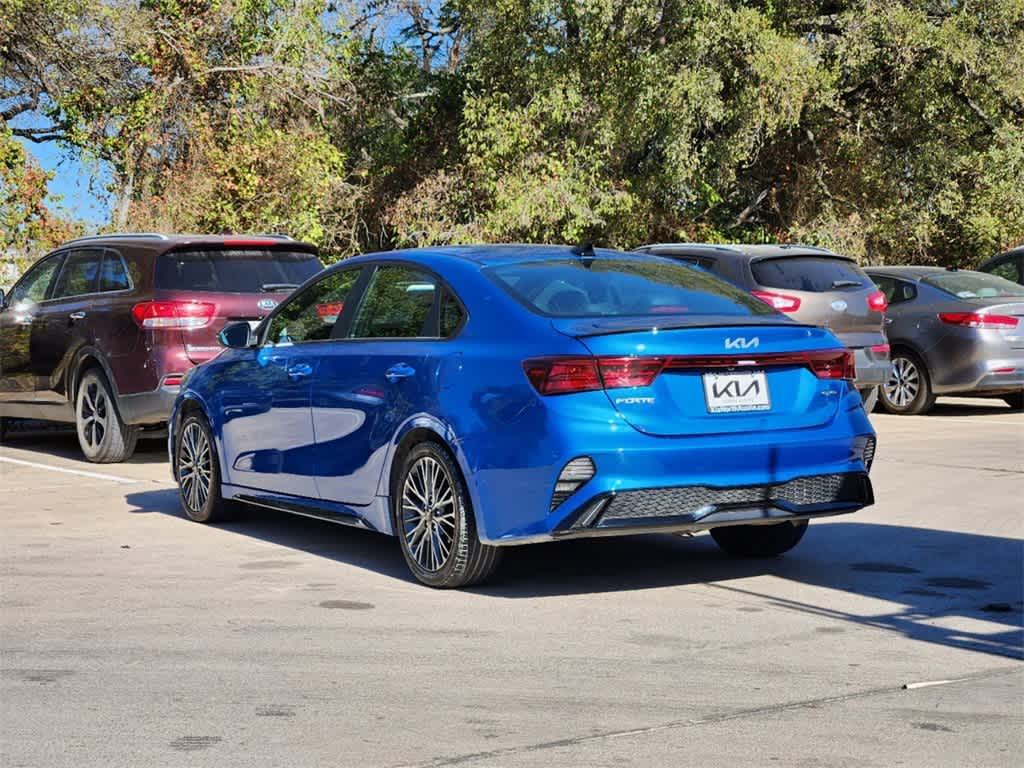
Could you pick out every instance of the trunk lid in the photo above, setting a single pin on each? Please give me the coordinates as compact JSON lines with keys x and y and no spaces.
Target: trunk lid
{"x":678,"y":401}
{"x":1014,"y":337}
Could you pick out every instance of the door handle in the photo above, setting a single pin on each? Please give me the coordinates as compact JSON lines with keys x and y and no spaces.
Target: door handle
{"x":398,"y":372}
{"x":77,"y":316}
{"x":299,"y":371}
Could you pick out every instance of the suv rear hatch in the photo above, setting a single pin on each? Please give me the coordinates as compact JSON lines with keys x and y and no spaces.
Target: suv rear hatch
{"x":698,"y":379}
{"x":823,"y":289}
{"x":241,"y":280}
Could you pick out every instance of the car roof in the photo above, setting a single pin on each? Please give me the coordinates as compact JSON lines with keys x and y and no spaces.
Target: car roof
{"x":908,"y":273}
{"x":749,"y":251}
{"x":490,"y":255}
{"x":165,"y":242}
{"x":1010,"y":252}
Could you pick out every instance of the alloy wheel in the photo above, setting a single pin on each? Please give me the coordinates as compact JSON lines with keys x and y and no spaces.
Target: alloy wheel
{"x":904,"y":382}
{"x":195,"y":467}
{"x":95,"y":415}
{"x":428,"y":514}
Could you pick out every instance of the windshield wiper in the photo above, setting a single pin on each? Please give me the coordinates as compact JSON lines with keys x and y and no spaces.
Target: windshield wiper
{"x":268,"y":287}
{"x":846,"y":284}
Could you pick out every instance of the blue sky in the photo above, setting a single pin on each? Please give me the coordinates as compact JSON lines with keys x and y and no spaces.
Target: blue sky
{"x":69,"y":188}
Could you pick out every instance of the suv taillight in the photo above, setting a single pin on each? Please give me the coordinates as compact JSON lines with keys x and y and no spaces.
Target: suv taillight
{"x":877,"y":302}
{"x":173,"y":314}
{"x":780,"y":301}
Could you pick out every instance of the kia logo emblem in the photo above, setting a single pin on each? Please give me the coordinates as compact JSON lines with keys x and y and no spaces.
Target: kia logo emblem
{"x":839,"y":305}
{"x":267,"y":304}
{"x":742,"y":343}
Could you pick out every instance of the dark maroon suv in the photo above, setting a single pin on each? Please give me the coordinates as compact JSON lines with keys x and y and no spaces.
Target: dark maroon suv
{"x":100,"y":332}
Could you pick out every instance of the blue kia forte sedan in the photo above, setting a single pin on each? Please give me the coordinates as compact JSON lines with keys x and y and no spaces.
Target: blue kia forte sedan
{"x":464,"y":399}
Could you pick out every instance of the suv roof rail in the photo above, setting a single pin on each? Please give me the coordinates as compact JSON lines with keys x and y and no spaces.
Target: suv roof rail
{"x":120,"y":236}
{"x":275,"y":235}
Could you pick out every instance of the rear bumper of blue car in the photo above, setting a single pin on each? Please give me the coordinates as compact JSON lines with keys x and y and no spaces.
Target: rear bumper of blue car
{"x":643,"y":483}
{"x":698,"y":507}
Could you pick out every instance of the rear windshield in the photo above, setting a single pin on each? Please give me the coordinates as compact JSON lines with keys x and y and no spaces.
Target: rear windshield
{"x":815,"y":274}
{"x":622,"y":288}
{"x":253,"y":270}
{"x":974,"y":285}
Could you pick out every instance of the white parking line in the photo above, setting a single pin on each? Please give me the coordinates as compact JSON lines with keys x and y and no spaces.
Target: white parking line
{"x":80,"y":472}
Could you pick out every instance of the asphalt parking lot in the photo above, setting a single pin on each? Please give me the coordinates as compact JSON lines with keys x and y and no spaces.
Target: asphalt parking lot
{"x":130,"y":636}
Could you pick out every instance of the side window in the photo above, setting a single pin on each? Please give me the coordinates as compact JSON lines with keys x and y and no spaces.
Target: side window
{"x":79,"y":275}
{"x":896,"y":291}
{"x":113,"y":275}
{"x":887,"y":286}
{"x":1007,"y":269}
{"x":452,"y":315}
{"x":397,"y":305}
{"x":36,"y":282}
{"x":311,"y":315}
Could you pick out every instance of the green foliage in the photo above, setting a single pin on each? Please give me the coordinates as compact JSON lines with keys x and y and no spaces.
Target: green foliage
{"x":893,"y":131}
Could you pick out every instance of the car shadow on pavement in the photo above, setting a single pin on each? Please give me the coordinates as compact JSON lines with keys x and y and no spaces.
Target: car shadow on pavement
{"x":59,"y":440}
{"x":957,"y":589}
{"x":987,"y":407}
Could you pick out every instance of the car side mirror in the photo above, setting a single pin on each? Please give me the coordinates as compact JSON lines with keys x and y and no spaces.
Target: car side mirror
{"x":3,"y":300}
{"x":236,"y":335}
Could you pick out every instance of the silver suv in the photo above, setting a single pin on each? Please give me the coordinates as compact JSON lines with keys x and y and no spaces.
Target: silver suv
{"x":811,"y":285}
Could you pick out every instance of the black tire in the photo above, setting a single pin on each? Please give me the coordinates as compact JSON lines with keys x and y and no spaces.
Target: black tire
{"x":102,"y":434}
{"x":869,"y":397}
{"x":908,"y":392}
{"x":195,"y":456}
{"x":1015,"y":401}
{"x":759,"y":540}
{"x":416,"y":507}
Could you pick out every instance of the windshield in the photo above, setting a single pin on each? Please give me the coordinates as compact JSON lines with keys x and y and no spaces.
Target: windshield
{"x":816,"y":274}
{"x":252,"y":270}
{"x":622,"y":287}
{"x":974,"y":285}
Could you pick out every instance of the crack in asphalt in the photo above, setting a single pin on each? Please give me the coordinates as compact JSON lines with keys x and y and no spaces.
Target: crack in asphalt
{"x":442,"y":762}
{"x":999,"y":470}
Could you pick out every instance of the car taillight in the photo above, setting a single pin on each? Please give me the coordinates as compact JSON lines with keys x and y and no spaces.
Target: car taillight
{"x":825,"y":363}
{"x":173,"y":314}
{"x":329,"y":311}
{"x":877,"y":302}
{"x":780,"y":301}
{"x":563,"y":375}
{"x":978,"y":320}
{"x":618,"y":372}
{"x":834,"y":366}
{"x":566,"y":375}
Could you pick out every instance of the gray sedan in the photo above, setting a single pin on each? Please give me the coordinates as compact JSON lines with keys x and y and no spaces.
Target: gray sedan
{"x":952,"y":332}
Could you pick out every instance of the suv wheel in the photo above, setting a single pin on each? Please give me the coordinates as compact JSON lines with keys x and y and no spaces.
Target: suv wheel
{"x":434,"y":522}
{"x":908,"y":391}
{"x":759,"y":540}
{"x":104,"y":437}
